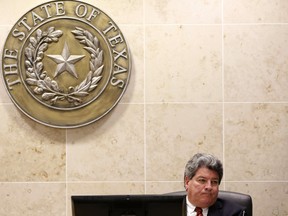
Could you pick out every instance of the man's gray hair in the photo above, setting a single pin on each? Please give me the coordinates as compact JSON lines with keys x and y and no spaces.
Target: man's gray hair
{"x":203,"y":160}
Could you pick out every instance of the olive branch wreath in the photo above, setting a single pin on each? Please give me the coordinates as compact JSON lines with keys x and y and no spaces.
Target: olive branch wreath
{"x":49,"y":88}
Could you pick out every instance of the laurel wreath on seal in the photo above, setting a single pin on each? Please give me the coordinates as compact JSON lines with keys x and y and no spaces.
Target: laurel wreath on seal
{"x":49,"y":88}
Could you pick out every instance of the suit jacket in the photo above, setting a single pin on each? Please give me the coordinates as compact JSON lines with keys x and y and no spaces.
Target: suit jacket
{"x":221,"y":208}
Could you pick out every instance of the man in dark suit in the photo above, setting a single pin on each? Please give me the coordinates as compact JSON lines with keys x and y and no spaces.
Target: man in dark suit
{"x":202,"y":177}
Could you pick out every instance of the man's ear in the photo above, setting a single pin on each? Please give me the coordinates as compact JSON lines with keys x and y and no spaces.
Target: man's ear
{"x":186,"y":181}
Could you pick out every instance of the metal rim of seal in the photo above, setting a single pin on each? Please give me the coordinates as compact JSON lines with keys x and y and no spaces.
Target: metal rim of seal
{"x":66,"y":64}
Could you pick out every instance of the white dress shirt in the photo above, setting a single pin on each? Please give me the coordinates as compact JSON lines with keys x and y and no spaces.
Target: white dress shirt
{"x":191,"y":209}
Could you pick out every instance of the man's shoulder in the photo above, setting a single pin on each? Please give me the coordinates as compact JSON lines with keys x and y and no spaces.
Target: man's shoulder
{"x":226,"y":207}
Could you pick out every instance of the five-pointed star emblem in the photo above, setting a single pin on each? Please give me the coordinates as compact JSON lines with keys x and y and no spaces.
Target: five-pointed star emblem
{"x":66,"y":61}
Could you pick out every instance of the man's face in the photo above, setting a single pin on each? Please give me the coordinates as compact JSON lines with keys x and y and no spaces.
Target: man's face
{"x":203,"y":188}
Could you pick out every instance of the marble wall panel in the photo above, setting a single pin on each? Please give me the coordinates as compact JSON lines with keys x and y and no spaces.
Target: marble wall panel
{"x":175,"y":132}
{"x":29,"y":151}
{"x":183,"y":64}
{"x":186,"y":12}
{"x":256,"y":142}
{"x":32,"y":199}
{"x":262,"y":11}
{"x":109,"y":150}
{"x":272,"y":195}
{"x":255,"y":63}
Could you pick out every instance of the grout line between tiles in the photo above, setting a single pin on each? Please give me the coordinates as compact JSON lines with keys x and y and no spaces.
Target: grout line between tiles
{"x":223,"y":93}
{"x":150,"y":181}
{"x":144,"y":98}
{"x":211,"y":24}
{"x":66,"y":171}
{"x":213,"y":102}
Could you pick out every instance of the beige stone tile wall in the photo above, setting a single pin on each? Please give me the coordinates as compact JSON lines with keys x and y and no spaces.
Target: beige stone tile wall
{"x":207,"y":76}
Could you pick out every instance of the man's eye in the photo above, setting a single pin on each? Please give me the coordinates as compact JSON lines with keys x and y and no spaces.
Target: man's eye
{"x":202,"y":181}
{"x":215,"y":182}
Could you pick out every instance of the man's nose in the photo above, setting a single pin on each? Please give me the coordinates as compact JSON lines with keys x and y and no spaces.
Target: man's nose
{"x":208,"y":185}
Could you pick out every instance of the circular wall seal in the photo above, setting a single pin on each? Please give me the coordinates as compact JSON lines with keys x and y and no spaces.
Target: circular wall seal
{"x":66,"y":64}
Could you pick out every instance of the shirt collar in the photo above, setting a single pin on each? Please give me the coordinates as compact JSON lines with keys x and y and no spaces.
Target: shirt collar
{"x":191,"y":208}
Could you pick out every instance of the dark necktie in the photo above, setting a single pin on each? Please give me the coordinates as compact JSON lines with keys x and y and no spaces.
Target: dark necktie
{"x":199,"y":211}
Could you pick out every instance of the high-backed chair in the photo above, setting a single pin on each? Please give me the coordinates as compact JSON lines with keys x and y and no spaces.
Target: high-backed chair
{"x":244,"y":200}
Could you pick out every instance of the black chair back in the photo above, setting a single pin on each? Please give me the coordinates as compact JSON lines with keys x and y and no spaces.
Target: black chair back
{"x":244,"y":200}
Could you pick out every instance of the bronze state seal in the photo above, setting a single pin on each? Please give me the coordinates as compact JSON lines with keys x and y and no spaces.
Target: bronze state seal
{"x":65,"y":64}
